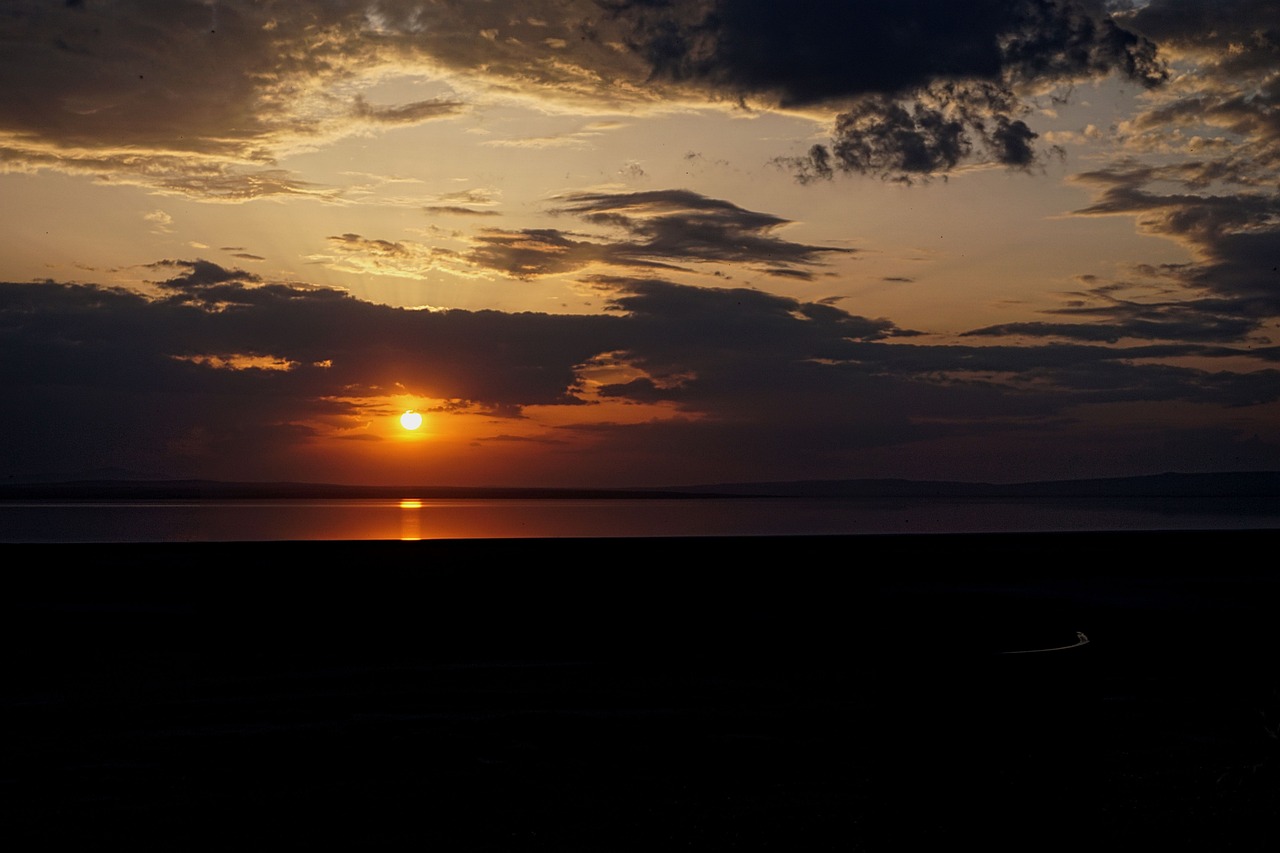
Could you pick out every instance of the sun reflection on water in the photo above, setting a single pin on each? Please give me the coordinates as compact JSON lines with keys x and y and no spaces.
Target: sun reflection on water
{"x":410,"y":522}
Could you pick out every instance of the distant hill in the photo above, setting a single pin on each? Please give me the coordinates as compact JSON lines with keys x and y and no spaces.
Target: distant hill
{"x":218,"y":490}
{"x":1169,"y":485}
{"x":1239,"y":484}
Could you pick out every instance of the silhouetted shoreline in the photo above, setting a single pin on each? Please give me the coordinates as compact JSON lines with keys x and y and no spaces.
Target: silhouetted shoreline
{"x":1245,"y":486}
{"x":815,"y":693}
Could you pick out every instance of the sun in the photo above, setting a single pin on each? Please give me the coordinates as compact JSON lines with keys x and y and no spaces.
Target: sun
{"x":411,"y":420}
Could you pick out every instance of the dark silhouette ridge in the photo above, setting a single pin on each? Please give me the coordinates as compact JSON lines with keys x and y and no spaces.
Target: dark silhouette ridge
{"x":1218,"y":484}
{"x":1226,"y":485}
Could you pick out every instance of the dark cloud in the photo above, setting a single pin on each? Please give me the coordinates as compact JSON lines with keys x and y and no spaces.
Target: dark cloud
{"x":932,"y":132}
{"x":151,"y":373}
{"x":464,"y":203}
{"x":355,"y":242}
{"x":740,"y":342}
{"x":1250,"y":25}
{"x":880,"y":135}
{"x":413,"y":113}
{"x":468,"y":197}
{"x":456,"y":210}
{"x":1143,"y":322}
{"x":827,"y":50}
{"x":224,"y":372}
{"x":925,"y":83}
{"x":1222,"y":117}
{"x":1225,"y":133}
{"x":1054,"y":377}
{"x":199,"y":97}
{"x":663,"y":229}
{"x":660,"y":230}
{"x":199,"y":275}
{"x":163,"y":362}
{"x":224,"y":77}
{"x":1201,"y":169}
{"x":533,"y":252}
{"x":1071,"y":39}
{"x":147,"y":74}
{"x":1234,"y":238}
{"x":523,"y":438}
{"x":680,"y":224}
{"x":1103,"y":317}
{"x":784,"y":272}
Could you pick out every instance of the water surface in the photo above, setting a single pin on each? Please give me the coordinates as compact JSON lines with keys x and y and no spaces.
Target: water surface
{"x":414,"y":518}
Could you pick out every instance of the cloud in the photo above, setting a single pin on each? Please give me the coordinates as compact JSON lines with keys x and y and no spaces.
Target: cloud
{"x":163,"y":94}
{"x":661,"y":228}
{"x":1234,"y":239}
{"x":682,"y":223}
{"x":1200,"y":166}
{"x":223,"y":371}
{"x":934,"y":134}
{"x":533,"y":252}
{"x":794,"y":388}
{"x":475,"y":197}
{"x":161,"y":222}
{"x":414,"y":113}
{"x":457,"y":210}
{"x":1217,"y":138}
{"x":202,"y":177}
{"x":1179,"y":322}
{"x":581,"y":138}
{"x":229,"y":77}
{"x":826,"y":50}
{"x":655,"y":230}
{"x":398,"y":258}
{"x":741,"y":347}
{"x":1221,"y":114}
{"x":473,"y":202}
{"x":921,"y":85}
{"x":204,"y":309}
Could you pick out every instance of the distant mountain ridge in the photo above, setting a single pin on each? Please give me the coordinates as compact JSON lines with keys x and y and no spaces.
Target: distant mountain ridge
{"x":220,"y":490}
{"x":1237,"y":484}
{"x":1221,"y":484}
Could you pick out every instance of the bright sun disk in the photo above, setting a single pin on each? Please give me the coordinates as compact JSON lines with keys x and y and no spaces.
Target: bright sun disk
{"x":411,"y":420}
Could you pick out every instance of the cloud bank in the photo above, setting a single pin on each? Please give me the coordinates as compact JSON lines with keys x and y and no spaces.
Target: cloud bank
{"x":100,"y":377}
{"x":201,"y":98}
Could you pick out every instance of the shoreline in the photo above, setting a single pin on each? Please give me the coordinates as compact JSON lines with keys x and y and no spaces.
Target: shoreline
{"x":812,"y":693}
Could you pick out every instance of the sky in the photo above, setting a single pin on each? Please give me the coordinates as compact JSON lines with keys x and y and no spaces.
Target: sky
{"x":618,"y":243}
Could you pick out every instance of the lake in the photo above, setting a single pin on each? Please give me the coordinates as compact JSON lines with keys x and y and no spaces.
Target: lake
{"x":409,"y":518}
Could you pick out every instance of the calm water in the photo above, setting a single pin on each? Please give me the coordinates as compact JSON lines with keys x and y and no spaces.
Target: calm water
{"x":370,"y":519}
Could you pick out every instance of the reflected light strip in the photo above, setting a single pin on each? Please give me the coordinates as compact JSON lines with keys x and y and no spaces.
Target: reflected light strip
{"x":410,"y":524}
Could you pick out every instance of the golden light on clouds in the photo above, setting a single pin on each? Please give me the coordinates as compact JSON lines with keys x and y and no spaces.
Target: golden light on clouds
{"x":597,"y":246}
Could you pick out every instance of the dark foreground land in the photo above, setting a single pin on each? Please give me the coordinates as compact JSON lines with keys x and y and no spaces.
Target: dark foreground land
{"x":799,"y":694}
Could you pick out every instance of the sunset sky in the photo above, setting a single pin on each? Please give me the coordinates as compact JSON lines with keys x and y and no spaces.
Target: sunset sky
{"x":638,"y":242}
